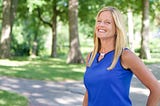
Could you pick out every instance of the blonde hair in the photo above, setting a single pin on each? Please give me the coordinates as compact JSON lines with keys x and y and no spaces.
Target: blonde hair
{"x":119,"y":40}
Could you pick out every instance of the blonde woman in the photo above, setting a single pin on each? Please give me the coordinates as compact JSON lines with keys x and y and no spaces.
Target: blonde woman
{"x":110,"y":66}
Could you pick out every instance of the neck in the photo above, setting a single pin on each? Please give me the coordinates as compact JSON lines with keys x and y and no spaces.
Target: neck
{"x":107,"y":45}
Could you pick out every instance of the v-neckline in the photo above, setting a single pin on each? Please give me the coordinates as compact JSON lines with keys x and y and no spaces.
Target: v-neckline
{"x":98,"y":54}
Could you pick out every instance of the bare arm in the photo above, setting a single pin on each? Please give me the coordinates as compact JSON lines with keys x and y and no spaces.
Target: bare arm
{"x":85,"y":99}
{"x":131,"y":61}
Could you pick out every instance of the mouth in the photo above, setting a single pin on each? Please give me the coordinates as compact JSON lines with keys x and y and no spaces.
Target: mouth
{"x":101,"y":30}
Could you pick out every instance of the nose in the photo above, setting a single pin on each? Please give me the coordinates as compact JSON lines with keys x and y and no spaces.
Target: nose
{"x":102,"y":23}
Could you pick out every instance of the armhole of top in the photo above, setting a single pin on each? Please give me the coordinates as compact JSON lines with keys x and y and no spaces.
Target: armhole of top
{"x":88,"y":58}
{"x":121,"y":59}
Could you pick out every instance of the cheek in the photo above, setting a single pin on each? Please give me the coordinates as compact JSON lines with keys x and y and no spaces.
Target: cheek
{"x":113,"y":29}
{"x":96,"y":27}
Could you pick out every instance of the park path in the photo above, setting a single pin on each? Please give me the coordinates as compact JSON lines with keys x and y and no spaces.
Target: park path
{"x":70,"y":93}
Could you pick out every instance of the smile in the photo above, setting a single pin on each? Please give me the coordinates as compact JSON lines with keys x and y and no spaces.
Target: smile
{"x":101,"y":30}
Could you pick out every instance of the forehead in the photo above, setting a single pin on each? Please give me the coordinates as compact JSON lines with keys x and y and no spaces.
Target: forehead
{"x":105,"y":15}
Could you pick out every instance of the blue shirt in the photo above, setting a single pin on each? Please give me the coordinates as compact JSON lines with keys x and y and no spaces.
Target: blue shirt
{"x":107,"y":87}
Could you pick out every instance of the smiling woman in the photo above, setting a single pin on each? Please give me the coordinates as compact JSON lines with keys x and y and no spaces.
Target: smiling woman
{"x":111,"y":65}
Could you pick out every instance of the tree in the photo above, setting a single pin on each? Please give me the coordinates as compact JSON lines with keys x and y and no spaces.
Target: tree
{"x":145,"y":51}
{"x":74,"y":55}
{"x":52,"y":25}
{"x":48,"y":13}
{"x":9,"y":8}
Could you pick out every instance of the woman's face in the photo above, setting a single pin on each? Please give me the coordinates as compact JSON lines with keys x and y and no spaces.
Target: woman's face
{"x":105,"y":25}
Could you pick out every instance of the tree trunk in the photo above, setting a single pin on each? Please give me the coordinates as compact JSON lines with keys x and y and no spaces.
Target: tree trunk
{"x":34,"y":50}
{"x":145,"y":51}
{"x":6,"y":30}
{"x":74,"y":55}
{"x":54,"y":30}
{"x":9,"y":10}
{"x":14,"y":4}
{"x":130,"y":30}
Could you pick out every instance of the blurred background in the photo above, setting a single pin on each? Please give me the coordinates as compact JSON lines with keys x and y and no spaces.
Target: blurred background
{"x":49,"y":39}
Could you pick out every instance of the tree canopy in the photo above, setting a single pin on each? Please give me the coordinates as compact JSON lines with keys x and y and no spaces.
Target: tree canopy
{"x":34,"y":20}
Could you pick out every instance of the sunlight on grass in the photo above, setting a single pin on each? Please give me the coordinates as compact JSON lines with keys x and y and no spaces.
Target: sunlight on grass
{"x":152,"y":61}
{"x":54,"y":69}
{"x":155,"y":59}
{"x":6,"y":62}
{"x":12,"y":99}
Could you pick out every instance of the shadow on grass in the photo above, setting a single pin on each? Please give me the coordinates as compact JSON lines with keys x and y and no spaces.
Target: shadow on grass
{"x":12,"y":99}
{"x":42,"y":69}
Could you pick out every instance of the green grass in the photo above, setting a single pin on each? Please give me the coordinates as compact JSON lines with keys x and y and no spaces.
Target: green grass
{"x":54,"y":69}
{"x":12,"y":99}
{"x":155,"y":59}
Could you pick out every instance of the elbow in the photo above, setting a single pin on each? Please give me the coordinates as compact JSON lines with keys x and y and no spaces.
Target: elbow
{"x":156,"y":90}
{"x":154,"y":97}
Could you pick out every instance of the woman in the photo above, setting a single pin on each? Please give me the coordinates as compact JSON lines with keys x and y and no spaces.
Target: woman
{"x":110,"y":66}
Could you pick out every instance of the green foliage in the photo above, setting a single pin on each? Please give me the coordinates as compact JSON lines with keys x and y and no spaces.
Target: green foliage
{"x":86,"y":30}
{"x":88,"y":10}
{"x":155,"y":45}
{"x":33,"y":4}
{"x":26,"y":30}
{"x":62,"y":39}
{"x":153,"y":8}
{"x":0,"y":9}
{"x":12,"y":99}
{"x":24,"y":33}
{"x":27,"y":23}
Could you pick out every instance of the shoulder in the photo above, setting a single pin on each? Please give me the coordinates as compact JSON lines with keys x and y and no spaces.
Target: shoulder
{"x":127,"y":54}
{"x":129,"y":59}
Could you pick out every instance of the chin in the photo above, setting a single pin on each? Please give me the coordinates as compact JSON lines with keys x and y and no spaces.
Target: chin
{"x":101,"y":36}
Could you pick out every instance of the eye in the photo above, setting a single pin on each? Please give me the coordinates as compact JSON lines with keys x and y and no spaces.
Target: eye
{"x":99,"y":21}
{"x":107,"y":22}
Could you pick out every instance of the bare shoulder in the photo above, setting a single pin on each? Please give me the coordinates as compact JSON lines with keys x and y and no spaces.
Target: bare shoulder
{"x":128,"y":54}
{"x":128,"y":58}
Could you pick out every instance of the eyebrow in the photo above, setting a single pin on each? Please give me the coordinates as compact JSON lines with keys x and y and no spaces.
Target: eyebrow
{"x":105,"y":19}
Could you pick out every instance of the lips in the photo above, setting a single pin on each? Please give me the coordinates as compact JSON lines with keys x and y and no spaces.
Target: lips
{"x":101,"y":30}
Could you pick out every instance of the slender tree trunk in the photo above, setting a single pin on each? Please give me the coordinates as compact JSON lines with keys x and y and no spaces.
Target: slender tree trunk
{"x":130,"y":30}
{"x":34,"y":44}
{"x":34,"y":50}
{"x":145,"y":51}
{"x":74,"y":55}
{"x":53,"y":26}
{"x":54,"y":30}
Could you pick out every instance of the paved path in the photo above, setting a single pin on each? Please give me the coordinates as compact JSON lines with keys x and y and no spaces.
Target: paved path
{"x":47,"y":93}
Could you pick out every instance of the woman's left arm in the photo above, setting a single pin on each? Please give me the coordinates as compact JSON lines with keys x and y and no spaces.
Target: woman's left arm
{"x":134,"y":63}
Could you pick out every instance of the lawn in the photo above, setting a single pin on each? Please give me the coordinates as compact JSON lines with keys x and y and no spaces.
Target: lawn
{"x":12,"y":99}
{"x":54,"y":69}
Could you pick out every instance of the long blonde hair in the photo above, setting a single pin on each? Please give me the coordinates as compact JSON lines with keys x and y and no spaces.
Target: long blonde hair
{"x":119,"y":40}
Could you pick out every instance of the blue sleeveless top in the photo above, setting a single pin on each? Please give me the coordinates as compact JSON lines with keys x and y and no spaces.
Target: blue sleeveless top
{"x":107,"y":87}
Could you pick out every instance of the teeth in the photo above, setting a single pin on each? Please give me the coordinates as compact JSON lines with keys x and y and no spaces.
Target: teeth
{"x":101,"y":30}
